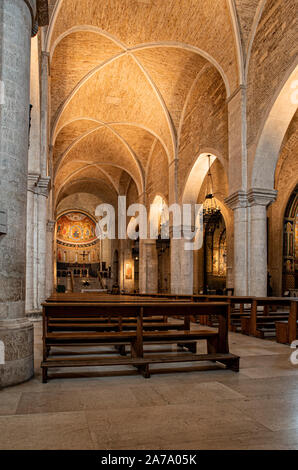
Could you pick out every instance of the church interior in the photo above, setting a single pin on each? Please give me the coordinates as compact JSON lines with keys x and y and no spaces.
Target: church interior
{"x":136,"y":342}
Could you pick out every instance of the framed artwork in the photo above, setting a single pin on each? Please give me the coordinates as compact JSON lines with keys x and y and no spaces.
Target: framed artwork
{"x":128,"y":271}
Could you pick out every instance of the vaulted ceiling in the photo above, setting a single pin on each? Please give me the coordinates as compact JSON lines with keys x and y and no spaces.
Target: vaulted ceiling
{"x":126,"y":74}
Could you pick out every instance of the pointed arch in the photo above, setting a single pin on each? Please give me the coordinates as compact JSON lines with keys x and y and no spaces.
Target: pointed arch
{"x":278,"y":118}
{"x":118,"y":136}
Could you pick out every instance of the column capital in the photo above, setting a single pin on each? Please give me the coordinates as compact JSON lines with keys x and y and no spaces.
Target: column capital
{"x":32,"y":180}
{"x":43,"y":185}
{"x":38,"y":184}
{"x":261,"y":197}
{"x":237,"y":200}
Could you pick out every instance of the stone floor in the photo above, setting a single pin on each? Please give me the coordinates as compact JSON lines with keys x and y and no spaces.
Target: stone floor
{"x":218,"y":409}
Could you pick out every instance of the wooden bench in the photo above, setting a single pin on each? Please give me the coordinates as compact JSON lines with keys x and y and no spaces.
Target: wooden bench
{"x":137,"y":336}
{"x":287,"y":331}
{"x":261,"y":321}
{"x":235,"y":312}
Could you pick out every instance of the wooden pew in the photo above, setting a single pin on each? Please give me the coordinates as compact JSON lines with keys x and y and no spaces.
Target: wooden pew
{"x":234,"y":318}
{"x":258,"y":323}
{"x":217,"y":341}
{"x":287,"y":331}
{"x":108,"y":323}
{"x":234,"y":314}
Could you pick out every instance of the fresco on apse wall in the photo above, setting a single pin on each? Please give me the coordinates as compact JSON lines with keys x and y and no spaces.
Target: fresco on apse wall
{"x":76,"y":228}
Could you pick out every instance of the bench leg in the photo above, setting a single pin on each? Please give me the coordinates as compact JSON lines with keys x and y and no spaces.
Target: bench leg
{"x":121,"y":349}
{"x":44,"y":375}
{"x":232,"y":364}
{"x":136,"y":349}
{"x":260,"y":334}
{"x":144,"y":370}
{"x":212,"y":345}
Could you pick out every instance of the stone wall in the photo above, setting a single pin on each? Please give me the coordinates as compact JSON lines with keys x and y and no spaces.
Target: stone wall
{"x":205,"y":125}
{"x":157,"y":181}
{"x":286,"y":179}
{"x":272,"y":54}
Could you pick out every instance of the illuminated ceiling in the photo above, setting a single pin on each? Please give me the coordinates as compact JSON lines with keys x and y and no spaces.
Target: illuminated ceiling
{"x":128,"y":74}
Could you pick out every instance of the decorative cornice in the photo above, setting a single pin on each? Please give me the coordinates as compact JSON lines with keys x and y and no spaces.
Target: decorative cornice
{"x":43,"y":185}
{"x":32,"y":180}
{"x":253,"y":197}
{"x":237,"y":200}
{"x":38,"y":184}
{"x":261,"y":197}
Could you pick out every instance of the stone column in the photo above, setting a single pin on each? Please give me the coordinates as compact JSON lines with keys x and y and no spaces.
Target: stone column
{"x":31,"y":264}
{"x":148,"y":267}
{"x":238,"y":202}
{"x":44,"y":112}
{"x":237,"y":140}
{"x":230,"y":254}
{"x":196,"y":268}
{"x":175,"y":266}
{"x":259,"y":199}
{"x":50,"y":260}
{"x":16,"y":332}
{"x":182,"y":272}
{"x":36,"y":243}
{"x":186,"y":263}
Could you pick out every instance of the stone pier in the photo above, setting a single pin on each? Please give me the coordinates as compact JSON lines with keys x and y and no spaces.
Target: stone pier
{"x":17,"y":19}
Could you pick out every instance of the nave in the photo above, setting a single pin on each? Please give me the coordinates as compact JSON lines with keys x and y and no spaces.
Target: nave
{"x":148,"y":224}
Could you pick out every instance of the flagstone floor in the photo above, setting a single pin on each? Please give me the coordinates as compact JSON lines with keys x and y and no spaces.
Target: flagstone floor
{"x":256,"y":408}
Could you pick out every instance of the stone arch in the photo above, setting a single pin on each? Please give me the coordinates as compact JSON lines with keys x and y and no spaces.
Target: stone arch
{"x":239,"y":50}
{"x":270,"y":139}
{"x":78,"y":171}
{"x":117,"y":135}
{"x":176,"y":44}
{"x":192,"y":191}
{"x":195,"y":178}
{"x":156,"y":208}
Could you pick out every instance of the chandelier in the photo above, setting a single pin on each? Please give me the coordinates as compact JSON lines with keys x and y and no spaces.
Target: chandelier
{"x":211,"y":211}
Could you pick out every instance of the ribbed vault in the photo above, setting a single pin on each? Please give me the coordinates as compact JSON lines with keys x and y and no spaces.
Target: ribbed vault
{"x":126,"y":92}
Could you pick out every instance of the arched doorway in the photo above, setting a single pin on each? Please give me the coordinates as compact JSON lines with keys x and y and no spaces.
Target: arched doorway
{"x":215,"y":255}
{"x":159,"y":217}
{"x":290,"y":245}
{"x":207,"y":181}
